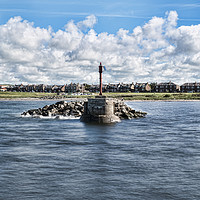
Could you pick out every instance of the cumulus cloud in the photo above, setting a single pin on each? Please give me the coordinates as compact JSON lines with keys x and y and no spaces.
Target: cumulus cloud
{"x":89,"y":22}
{"x":157,"y":51}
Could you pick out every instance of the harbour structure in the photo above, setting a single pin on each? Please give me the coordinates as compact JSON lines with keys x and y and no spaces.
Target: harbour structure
{"x":100,"y":109}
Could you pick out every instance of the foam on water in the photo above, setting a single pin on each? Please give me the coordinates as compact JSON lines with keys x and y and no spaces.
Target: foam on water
{"x":51,"y":117}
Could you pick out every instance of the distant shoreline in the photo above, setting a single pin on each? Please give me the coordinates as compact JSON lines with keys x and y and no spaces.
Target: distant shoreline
{"x":39,"y":99}
{"x":25,"y":96}
{"x":84,"y":99}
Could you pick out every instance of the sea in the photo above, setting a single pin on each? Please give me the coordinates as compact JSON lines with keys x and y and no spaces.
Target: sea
{"x":151,"y":158}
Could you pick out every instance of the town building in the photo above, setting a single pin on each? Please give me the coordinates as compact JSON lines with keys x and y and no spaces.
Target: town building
{"x":119,"y":87}
{"x":190,"y":87}
{"x":75,"y":88}
{"x":167,"y":87}
{"x":112,"y":87}
{"x":142,"y":87}
{"x":125,"y":87}
{"x":3,"y":88}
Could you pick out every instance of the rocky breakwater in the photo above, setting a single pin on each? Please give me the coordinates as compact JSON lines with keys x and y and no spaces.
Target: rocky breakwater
{"x":125,"y":112}
{"x":76,"y":109}
{"x":61,"y":108}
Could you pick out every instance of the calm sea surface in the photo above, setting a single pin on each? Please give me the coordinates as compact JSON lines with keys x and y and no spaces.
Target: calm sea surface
{"x":153,"y":158}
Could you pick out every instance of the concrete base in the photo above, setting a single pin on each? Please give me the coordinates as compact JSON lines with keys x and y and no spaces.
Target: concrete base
{"x":100,"y":119}
{"x":99,"y":110}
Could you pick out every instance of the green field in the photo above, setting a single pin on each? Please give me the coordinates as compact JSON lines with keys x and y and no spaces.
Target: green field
{"x":156,"y":96}
{"x":125,"y":96}
{"x":15,"y":95}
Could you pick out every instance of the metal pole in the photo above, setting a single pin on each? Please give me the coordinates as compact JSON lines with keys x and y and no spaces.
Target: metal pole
{"x":100,"y":78}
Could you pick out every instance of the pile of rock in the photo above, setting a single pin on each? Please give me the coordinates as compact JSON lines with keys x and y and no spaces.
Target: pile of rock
{"x":125,"y":112}
{"x":76,"y":109}
{"x":61,"y":108}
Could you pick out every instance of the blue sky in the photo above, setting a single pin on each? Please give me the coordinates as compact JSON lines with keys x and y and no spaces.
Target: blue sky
{"x":112,"y":14}
{"x":62,"y":41}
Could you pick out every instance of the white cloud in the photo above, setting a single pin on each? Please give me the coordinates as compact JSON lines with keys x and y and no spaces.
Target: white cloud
{"x":158,"y":51}
{"x":89,"y":22}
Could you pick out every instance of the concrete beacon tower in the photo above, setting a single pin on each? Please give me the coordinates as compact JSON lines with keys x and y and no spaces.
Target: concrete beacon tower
{"x":100,"y":109}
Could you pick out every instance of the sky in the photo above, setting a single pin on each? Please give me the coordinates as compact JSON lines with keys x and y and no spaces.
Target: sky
{"x":63,"y":41}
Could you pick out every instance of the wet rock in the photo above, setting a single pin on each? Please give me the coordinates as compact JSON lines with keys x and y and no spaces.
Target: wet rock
{"x":61,"y":108}
{"x":125,"y":112}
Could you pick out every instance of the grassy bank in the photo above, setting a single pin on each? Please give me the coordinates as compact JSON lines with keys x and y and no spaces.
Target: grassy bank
{"x":16,"y":95}
{"x":156,"y":96}
{"x":125,"y":96}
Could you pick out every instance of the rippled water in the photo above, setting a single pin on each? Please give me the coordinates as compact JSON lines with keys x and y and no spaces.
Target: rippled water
{"x":157,"y":157}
